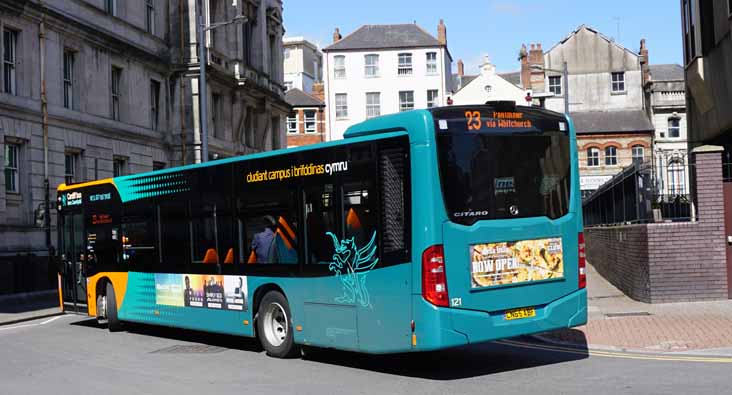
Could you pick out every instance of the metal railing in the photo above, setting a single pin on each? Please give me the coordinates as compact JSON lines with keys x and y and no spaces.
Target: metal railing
{"x":643,"y":193}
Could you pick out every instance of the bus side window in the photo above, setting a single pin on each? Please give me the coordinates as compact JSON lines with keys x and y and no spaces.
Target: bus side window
{"x":358,"y":213}
{"x":203,"y":236}
{"x":175,"y":238}
{"x":359,"y":199}
{"x":268,"y":226}
{"x":321,"y":223}
{"x":139,"y":241}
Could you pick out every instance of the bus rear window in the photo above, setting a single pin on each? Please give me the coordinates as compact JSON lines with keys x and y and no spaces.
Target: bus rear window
{"x":516,"y":171}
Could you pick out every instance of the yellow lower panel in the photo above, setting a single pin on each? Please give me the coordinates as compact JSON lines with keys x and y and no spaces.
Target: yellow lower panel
{"x":119,"y":282}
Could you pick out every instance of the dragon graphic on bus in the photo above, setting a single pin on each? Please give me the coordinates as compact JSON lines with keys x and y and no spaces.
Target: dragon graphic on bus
{"x":351,"y":264}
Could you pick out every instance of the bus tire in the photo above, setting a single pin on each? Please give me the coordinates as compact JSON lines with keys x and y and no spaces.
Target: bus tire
{"x":113,"y":323}
{"x":274,"y":326}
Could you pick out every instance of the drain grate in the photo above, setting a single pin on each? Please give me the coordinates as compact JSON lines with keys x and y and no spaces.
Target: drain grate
{"x":630,"y":314}
{"x":190,"y":349}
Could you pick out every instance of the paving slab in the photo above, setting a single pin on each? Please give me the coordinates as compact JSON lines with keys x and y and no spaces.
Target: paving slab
{"x":617,"y":322}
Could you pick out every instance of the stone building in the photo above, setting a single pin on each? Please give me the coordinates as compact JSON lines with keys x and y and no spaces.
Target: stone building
{"x":666,"y":105}
{"x":303,"y":64}
{"x":707,"y":34}
{"x":306,"y":122}
{"x":606,"y":99}
{"x":383,"y":69}
{"x":114,"y":86}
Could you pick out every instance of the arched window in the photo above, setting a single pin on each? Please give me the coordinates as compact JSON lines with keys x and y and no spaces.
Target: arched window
{"x":611,"y":156}
{"x":638,"y":153}
{"x":676,"y":177}
{"x":593,"y":157}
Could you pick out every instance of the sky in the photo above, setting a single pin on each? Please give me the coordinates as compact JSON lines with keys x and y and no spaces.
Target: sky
{"x":498,"y":27}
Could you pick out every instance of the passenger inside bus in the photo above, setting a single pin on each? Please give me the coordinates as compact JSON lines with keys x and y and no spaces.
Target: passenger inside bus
{"x":284,"y":243}
{"x":262,"y":241}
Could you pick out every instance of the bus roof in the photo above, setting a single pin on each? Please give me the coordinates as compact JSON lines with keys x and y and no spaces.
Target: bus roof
{"x":418,"y":124}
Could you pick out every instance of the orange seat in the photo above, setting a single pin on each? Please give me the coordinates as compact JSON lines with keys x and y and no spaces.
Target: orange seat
{"x":352,"y":220}
{"x":252,"y":258}
{"x":211,"y":257}
{"x":229,"y":260}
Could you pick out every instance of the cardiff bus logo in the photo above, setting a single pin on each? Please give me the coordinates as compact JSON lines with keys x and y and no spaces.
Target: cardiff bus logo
{"x":351,"y":264}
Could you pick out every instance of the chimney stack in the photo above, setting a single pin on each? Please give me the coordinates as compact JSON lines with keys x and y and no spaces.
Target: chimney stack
{"x":319,"y":91}
{"x":644,"y":62}
{"x":536,"y":68}
{"x":337,"y":35}
{"x":442,"y":33}
{"x":460,"y":68}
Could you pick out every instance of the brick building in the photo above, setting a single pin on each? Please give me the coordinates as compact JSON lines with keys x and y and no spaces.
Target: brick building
{"x":306,"y":121}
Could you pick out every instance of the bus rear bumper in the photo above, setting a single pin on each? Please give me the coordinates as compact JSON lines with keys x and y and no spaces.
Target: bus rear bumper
{"x":566,"y":312}
{"x":458,"y":327}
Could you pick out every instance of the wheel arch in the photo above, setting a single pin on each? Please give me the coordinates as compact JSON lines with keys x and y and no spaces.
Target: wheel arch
{"x":259,"y":294}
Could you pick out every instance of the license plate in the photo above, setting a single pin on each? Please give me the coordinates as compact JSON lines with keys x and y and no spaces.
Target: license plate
{"x":517,"y":314}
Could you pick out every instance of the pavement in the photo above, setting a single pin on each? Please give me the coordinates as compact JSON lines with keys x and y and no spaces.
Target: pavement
{"x":15,"y":308}
{"x":617,"y":322}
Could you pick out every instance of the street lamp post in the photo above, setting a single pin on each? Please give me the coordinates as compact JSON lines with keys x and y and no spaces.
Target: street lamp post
{"x":202,"y":93}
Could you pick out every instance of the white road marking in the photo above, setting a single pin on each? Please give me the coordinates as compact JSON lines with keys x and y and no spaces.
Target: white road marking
{"x":52,"y":319}
{"x":16,"y":327}
{"x":7,"y":328}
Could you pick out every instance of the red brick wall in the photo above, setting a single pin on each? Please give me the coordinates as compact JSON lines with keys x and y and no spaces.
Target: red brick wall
{"x":302,"y":138}
{"x":670,"y":262}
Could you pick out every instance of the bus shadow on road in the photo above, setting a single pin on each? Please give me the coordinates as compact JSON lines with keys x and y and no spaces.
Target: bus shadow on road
{"x":463,"y":362}
{"x":183,"y":335}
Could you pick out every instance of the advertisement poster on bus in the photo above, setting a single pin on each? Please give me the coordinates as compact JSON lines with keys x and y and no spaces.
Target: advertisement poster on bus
{"x":235,"y":292}
{"x":214,"y":291}
{"x":516,"y":262}
{"x":168,"y":290}
{"x":201,"y":290}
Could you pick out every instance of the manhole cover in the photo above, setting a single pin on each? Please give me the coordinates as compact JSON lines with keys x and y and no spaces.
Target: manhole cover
{"x":190,"y":349}
{"x":630,"y":314}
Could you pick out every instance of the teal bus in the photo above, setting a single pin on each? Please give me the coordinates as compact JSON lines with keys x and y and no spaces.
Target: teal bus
{"x":418,"y":231}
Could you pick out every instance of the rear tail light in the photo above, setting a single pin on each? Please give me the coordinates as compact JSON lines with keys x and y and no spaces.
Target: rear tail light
{"x":434,"y":279}
{"x":582,"y":263}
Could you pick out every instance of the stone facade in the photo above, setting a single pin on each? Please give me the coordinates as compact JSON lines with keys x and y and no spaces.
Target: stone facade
{"x":121,"y":89}
{"x":666,"y":98}
{"x":707,"y":54}
{"x":670,"y":262}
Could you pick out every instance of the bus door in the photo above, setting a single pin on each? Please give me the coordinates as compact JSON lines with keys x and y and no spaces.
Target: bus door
{"x":72,"y":259}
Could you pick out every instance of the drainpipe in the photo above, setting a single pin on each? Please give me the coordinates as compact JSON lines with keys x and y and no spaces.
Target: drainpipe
{"x":44,"y":123}
{"x":182,"y":87}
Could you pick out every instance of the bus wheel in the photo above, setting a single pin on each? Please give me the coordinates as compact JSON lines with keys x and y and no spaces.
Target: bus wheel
{"x":113,"y":322}
{"x":101,"y":309}
{"x":274,"y":326}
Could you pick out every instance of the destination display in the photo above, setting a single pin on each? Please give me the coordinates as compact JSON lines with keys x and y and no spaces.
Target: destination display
{"x":516,"y":262}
